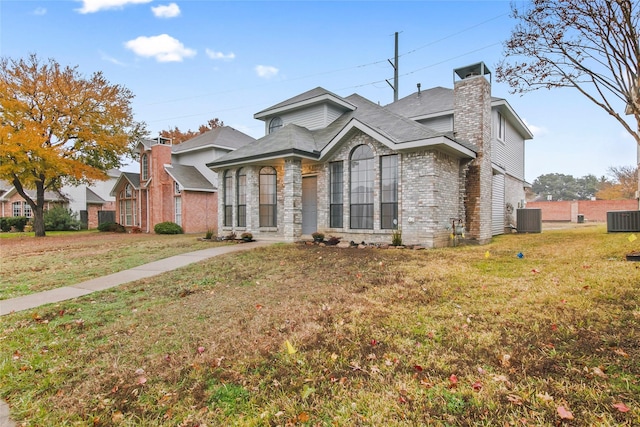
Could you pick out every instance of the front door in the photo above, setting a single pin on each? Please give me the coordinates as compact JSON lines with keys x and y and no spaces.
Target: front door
{"x":309,"y":204}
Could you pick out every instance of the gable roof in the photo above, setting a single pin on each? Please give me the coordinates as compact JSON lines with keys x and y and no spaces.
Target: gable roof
{"x":310,"y":97}
{"x":189,"y":178}
{"x":221,"y":137}
{"x":438,"y":101}
{"x":49,"y":196}
{"x":132,"y":178}
{"x":395,"y":131}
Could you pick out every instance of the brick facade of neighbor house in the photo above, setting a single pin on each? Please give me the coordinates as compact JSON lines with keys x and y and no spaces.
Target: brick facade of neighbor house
{"x":593,"y":210}
{"x":174,"y":185}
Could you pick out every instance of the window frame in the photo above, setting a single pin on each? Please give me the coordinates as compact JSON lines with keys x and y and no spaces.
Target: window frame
{"x":361,"y":187}
{"x":275,"y":123}
{"x":144,"y":164}
{"x":336,"y":194}
{"x":227,"y":208}
{"x":268,"y":197}
{"x":241,"y":197}
{"x":389,"y":197}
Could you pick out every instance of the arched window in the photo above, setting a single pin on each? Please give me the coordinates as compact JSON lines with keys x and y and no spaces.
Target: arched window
{"x":268,"y":197}
{"x":228,"y":200}
{"x":275,"y":124}
{"x":144,"y":161}
{"x":362,"y":174}
{"x":241,"y":197}
{"x":127,"y":205}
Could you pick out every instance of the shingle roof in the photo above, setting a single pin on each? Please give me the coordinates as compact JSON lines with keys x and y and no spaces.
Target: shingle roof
{"x":224,"y":136}
{"x":319,"y":93}
{"x":189,"y":178}
{"x":297,"y":140}
{"x":426,"y":102}
{"x":94,"y":198}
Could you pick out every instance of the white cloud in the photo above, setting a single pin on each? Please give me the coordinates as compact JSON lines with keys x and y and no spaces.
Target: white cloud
{"x":39,"y":11}
{"x":163,"y":48}
{"x":266,"y":71}
{"x":169,"y":11}
{"x":219,"y":55}
{"x":91,"y":6}
{"x":536,"y":130}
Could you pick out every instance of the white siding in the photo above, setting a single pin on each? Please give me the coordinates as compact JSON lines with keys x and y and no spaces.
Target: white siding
{"x":497,"y":205}
{"x":199,"y":159}
{"x":313,"y":117}
{"x":507,"y":153}
{"x":439,"y":124}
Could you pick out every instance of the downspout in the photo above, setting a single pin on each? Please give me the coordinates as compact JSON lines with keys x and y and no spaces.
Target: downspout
{"x":147,"y":201}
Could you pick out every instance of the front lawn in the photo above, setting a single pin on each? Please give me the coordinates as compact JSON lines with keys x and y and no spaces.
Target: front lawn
{"x":538,"y":329}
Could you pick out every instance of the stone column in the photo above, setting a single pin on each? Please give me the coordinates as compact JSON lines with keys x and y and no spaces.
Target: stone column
{"x":292,"y":199}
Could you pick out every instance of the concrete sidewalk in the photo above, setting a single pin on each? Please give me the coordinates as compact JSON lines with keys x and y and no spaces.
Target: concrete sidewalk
{"x":101,"y":283}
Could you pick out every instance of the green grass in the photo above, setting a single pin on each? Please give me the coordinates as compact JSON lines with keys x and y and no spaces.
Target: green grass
{"x":32,"y":264}
{"x":382,"y":338}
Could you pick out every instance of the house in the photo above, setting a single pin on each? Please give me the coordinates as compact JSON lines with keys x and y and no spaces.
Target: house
{"x":350,"y":168}
{"x":174,"y":184}
{"x":87,"y":201}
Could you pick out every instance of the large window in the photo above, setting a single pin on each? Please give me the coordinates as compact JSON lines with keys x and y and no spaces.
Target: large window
{"x":17,"y":208}
{"x":268,"y":197}
{"x":145,"y":166}
{"x":127,"y":206}
{"x":336,"y":181}
{"x":241,"y":198}
{"x":362,"y":174}
{"x":389,"y":192}
{"x":178,"y":210}
{"x":228,"y":201}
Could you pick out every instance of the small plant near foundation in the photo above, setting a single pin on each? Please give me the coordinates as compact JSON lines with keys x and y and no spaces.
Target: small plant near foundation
{"x":247,"y":237}
{"x":396,"y":238}
{"x":210,"y":233}
{"x":317,"y":237}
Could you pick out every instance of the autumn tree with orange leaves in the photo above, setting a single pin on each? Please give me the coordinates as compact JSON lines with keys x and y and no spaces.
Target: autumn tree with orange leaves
{"x":58,"y":127}
{"x":177,"y":136}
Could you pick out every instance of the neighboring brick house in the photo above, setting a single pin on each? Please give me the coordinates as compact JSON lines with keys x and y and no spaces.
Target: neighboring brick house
{"x":174,"y":184}
{"x":84,"y":200}
{"x":351,"y":168}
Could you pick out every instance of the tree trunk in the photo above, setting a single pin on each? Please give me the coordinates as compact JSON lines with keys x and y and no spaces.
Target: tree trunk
{"x":38,"y":221}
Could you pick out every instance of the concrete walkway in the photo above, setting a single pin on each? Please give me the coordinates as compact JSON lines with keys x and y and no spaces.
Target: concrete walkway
{"x":101,"y":283}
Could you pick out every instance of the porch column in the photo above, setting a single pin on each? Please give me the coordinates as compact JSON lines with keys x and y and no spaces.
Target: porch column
{"x":292,"y":199}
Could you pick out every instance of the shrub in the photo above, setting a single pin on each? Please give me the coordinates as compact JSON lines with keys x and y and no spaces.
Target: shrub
{"x":210,"y":233}
{"x":17,"y":222}
{"x":5,"y":224}
{"x":59,"y":218}
{"x":167,"y":228}
{"x":317,"y":236}
{"x":247,"y":237}
{"x":396,"y":238}
{"x":112,"y":227}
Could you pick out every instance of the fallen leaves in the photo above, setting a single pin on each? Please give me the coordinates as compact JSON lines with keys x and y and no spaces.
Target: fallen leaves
{"x":564,"y":413}
{"x":621,"y":407}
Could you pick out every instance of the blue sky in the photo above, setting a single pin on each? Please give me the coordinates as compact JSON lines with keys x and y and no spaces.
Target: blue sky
{"x":190,"y":61}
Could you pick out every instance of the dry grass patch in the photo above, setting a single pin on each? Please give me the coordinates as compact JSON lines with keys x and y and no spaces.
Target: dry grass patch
{"x":32,"y":264}
{"x":381,"y":337}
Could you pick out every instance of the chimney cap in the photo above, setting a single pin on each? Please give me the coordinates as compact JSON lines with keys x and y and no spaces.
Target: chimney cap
{"x":478,"y":69}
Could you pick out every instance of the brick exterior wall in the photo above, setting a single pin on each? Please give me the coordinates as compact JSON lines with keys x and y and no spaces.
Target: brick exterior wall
{"x":199,"y":211}
{"x":472,"y":122}
{"x":593,"y":210}
{"x":427,"y":200}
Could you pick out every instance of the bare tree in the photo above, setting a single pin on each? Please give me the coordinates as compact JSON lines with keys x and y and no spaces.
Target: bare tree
{"x":592,"y":46}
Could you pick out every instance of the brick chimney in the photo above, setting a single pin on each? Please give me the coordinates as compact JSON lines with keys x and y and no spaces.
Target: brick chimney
{"x":472,"y":123}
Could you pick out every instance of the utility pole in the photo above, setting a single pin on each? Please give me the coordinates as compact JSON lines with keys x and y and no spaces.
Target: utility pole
{"x":394,"y":64}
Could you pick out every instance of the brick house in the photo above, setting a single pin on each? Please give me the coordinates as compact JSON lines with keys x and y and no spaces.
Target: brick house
{"x":351,"y":168}
{"x":174,"y":184}
{"x":84,"y":200}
